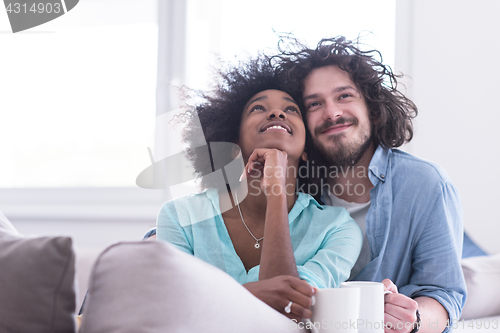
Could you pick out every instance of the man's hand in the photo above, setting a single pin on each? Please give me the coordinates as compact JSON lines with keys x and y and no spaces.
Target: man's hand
{"x":400,"y":310}
{"x":278,"y":291}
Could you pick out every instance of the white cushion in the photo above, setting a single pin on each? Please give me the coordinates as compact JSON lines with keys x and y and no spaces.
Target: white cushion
{"x":482,"y":276}
{"x":151,"y":287}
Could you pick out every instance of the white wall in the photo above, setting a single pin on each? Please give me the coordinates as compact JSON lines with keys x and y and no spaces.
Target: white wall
{"x":86,"y":235}
{"x":450,"y":49}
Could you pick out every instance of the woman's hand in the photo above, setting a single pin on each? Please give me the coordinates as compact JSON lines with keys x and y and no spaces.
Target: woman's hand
{"x":277,"y":292}
{"x":271,"y":166}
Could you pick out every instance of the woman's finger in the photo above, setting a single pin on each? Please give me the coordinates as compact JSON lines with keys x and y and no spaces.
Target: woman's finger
{"x":256,"y":161}
{"x":295,"y":308}
{"x":302,"y":294}
{"x":260,"y":158}
{"x":263,"y":154}
{"x":303,"y":287}
{"x":303,"y":303}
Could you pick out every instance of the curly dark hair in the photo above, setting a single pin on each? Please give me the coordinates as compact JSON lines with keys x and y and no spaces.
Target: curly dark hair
{"x":390,"y":111}
{"x":220,"y":110}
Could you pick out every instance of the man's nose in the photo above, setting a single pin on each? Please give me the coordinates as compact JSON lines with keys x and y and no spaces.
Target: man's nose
{"x":332,"y":111}
{"x":276,"y":113}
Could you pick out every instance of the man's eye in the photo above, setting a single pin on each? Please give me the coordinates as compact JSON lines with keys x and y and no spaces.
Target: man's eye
{"x":344,"y":96}
{"x":313,"y":104}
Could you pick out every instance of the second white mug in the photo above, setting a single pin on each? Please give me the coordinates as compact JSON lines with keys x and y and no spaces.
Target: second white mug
{"x":336,"y":310}
{"x":371,"y":309}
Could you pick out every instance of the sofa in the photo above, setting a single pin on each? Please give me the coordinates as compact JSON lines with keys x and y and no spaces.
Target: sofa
{"x":136,"y":287}
{"x":153,"y":287}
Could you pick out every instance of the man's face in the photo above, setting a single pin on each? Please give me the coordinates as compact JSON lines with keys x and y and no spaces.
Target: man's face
{"x":337,"y":116}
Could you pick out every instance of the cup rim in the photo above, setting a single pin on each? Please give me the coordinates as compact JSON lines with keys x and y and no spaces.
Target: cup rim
{"x":361,"y":283}
{"x":341,"y":290}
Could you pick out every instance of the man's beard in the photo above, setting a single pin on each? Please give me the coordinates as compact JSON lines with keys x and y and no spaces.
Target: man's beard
{"x":341,"y":154}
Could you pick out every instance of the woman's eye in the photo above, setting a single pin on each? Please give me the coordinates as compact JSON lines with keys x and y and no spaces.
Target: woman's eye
{"x":292,"y":109}
{"x":344,"y":96}
{"x":258,"y":108}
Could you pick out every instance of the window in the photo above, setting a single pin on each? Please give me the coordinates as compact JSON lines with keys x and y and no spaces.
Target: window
{"x":77,"y":113}
{"x":78,"y":101}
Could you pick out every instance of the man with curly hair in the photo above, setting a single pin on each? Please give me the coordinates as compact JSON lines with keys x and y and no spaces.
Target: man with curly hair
{"x":408,"y":209}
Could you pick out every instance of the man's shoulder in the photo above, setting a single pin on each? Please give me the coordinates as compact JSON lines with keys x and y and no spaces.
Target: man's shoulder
{"x":410,"y":166}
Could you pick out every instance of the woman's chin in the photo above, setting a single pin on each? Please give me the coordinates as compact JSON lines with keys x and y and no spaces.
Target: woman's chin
{"x":292,"y":151}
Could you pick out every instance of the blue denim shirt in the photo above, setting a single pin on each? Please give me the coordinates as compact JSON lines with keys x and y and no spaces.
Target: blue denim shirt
{"x":414,"y":228}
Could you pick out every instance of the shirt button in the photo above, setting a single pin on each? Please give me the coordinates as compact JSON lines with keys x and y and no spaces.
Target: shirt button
{"x":382,"y":176}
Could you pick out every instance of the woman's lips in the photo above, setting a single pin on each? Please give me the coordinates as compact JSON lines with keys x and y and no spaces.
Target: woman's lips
{"x":336,"y":129}
{"x":282,"y":126}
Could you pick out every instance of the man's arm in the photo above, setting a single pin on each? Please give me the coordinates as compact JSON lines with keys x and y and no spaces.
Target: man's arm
{"x":400,"y":312}
{"x":433,"y":315}
{"x":437,"y":284}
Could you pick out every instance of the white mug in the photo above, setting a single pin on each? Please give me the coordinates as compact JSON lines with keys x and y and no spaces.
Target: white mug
{"x":335,"y":310}
{"x":371,"y":310}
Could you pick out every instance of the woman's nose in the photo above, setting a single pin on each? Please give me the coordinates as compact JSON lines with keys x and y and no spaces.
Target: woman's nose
{"x":276,"y":114}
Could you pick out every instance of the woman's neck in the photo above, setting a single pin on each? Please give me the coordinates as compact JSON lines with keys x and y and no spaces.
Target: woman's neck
{"x":255,"y":202}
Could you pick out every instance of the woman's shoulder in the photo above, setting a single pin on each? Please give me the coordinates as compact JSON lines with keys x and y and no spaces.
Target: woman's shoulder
{"x":193,"y":199}
{"x":329,"y":213}
{"x":194,"y":207}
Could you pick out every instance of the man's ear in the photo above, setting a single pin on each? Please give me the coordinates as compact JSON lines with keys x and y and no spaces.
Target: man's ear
{"x":304,"y":156}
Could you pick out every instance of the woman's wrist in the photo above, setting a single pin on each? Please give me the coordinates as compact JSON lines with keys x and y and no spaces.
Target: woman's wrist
{"x":276,"y":197}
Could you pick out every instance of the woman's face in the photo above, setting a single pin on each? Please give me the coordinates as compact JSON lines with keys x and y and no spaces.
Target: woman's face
{"x":272,"y":119}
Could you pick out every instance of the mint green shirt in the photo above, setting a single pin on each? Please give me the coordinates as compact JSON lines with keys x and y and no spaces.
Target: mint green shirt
{"x":326,"y":241}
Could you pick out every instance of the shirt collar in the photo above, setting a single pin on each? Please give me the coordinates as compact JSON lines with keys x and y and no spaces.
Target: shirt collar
{"x":212,"y":194}
{"x":379,"y":164}
{"x":302,"y":202}
{"x":305,"y":199}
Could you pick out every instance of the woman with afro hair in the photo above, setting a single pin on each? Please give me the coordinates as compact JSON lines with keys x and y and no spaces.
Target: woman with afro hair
{"x":280,"y":244}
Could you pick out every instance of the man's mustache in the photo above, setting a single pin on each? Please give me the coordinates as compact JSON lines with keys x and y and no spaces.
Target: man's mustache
{"x":329,"y":123}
